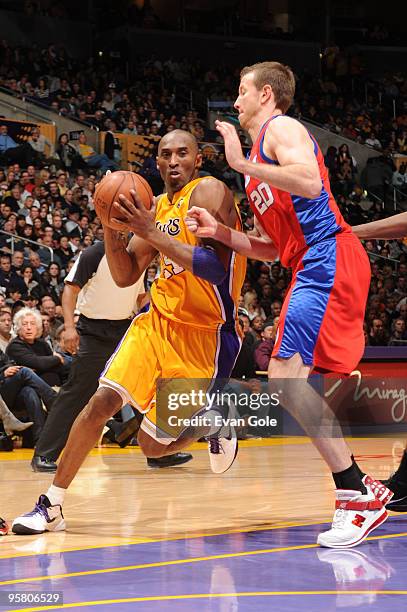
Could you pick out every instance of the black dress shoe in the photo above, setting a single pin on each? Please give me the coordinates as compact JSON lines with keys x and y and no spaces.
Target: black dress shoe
{"x":169,"y":460}
{"x":6,"y":442}
{"x":43,"y":464}
{"x":128,"y":430}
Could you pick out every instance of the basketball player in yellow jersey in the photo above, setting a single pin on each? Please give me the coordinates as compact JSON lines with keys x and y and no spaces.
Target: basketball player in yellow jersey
{"x":189,"y":332}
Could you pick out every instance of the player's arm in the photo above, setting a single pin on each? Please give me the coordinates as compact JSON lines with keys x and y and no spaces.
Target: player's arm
{"x":127,"y":261}
{"x":209,"y":260}
{"x":384,"y":229}
{"x":255,"y":245}
{"x":287,"y":141}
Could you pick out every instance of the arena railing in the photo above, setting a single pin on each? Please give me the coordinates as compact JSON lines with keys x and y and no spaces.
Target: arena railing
{"x":390,"y":198}
{"x":15,"y":238}
{"x":375,"y":197}
{"x":396,"y":202}
{"x":36,"y":102}
{"x":33,"y":113}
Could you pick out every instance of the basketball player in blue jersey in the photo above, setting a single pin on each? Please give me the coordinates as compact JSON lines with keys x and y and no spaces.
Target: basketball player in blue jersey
{"x":321,"y":322}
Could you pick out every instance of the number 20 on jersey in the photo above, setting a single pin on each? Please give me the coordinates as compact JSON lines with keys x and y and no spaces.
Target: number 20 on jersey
{"x":262,"y":197}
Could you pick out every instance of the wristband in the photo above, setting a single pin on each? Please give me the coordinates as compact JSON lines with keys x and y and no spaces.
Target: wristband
{"x":207,"y":265}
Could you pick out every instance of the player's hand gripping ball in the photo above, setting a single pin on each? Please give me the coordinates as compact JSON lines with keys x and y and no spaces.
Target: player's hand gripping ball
{"x":114,"y":184}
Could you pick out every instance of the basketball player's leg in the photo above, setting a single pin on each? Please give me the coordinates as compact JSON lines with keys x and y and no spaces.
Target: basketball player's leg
{"x":316,"y":418}
{"x":222,"y":441}
{"x":87,"y":429}
{"x":321,"y":325}
{"x":193,"y":364}
{"x":360,"y":499}
{"x":151,"y":447}
{"x":85,"y":432}
{"x":158,"y":436}
{"x":310,"y":410}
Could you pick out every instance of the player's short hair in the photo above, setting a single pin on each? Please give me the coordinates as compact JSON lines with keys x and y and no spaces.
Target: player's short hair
{"x":183,"y":134}
{"x":279,"y":76}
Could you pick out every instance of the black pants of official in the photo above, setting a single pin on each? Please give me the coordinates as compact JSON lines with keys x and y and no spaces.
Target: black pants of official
{"x":98,"y":340}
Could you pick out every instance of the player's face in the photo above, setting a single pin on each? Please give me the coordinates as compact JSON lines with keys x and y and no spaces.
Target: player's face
{"x":248,"y":101}
{"x":178,"y":162}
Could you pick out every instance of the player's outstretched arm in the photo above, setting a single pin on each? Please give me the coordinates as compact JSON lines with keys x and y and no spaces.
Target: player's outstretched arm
{"x":384,"y":229}
{"x":287,"y":141}
{"x":256,"y":245}
{"x":127,"y":262}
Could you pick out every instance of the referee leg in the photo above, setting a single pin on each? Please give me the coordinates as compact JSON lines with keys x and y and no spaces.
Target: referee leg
{"x":82,"y":383}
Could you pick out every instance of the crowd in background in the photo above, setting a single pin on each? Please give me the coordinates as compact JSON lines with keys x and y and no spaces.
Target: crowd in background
{"x":48,"y":207}
{"x":49,"y":198}
{"x":163,"y":94}
{"x":47,"y":189}
{"x":157,"y":95}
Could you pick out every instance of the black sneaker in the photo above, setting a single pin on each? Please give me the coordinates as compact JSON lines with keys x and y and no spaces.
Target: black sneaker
{"x":398,"y":503}
{"x":398,"y":484}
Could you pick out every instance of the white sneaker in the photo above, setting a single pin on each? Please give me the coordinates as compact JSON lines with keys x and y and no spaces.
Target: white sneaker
{"x":43,"y":518}
{"x":222,"y":452}
{"x":356,"y":515}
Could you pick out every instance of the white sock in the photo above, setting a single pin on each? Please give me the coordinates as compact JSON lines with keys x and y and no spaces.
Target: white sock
{"x":56,"y":495}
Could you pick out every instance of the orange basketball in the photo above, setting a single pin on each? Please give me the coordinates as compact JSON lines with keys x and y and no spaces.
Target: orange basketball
{"x":114,"y":184}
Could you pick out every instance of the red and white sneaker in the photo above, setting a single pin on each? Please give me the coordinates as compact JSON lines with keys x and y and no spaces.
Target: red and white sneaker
{"x":356,"y":515}
{"x":379,"y":490}
{"x":357,"y":571}
{"x":4,"y":528}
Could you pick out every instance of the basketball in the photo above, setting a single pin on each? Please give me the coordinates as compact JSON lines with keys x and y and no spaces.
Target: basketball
{"x":114,"y":184}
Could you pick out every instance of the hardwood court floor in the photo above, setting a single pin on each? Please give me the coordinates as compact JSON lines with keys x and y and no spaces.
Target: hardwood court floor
{"x":117,"y":499}
{"x":124,"y":516}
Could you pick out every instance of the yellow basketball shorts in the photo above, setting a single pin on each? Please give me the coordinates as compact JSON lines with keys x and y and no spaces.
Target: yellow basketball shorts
{"x":154,"y":348}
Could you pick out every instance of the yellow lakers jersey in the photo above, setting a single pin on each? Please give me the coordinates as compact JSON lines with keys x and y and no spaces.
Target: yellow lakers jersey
{"x":179,"y":295}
